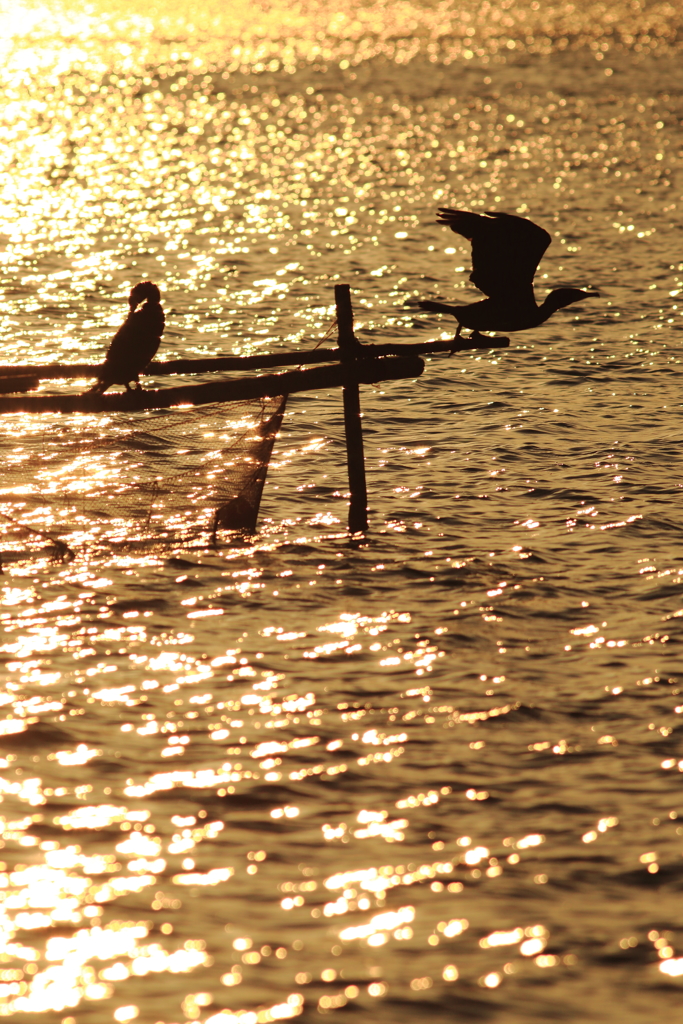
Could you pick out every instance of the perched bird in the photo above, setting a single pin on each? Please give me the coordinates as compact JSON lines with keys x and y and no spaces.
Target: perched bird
{"x":136,"y":342}
{"x":506,"y":251}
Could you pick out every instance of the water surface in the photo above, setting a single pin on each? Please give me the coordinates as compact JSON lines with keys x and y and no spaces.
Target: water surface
{"x":431,"y":773}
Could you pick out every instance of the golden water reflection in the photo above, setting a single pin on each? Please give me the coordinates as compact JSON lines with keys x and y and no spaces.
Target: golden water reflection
{"x":301,"y":775}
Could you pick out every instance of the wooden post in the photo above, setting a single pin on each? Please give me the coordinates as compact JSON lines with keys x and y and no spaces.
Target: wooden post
{"x":349,"y":346}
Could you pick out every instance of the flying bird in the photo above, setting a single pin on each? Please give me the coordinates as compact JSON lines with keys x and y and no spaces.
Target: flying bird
{"x":136,"y":342}
{"x":506,"y":251}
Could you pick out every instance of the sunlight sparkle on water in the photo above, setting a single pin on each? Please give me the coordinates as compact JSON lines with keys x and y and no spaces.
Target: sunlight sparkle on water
{"x":263,"y":775}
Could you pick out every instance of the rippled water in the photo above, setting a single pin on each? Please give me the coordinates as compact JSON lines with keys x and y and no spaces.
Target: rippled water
{"x":433,"y":773}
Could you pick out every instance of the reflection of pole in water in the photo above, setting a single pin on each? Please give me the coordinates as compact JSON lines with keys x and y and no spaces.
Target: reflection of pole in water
{"x":349,"y":350}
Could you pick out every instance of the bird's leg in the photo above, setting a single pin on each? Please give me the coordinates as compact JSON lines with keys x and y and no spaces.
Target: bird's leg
{"x":456,"y":339}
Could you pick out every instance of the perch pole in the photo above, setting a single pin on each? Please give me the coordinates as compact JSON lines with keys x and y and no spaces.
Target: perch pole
{"x":349,"y":348}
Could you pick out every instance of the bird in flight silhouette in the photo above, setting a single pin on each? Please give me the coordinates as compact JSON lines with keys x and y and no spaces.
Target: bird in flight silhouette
{"x":506,"y":251}
{"x":136,"y":342}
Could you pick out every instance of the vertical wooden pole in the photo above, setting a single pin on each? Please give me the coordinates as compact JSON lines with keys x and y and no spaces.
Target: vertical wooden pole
{"x":348,"y":345}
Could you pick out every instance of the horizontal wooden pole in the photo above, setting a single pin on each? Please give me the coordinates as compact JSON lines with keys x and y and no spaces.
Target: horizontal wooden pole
{"x":365,"y":371}
{"x":215,"y":364}
{"x":351,"y":353}
{"x":18,"y":382}
{"x":57,"y":371}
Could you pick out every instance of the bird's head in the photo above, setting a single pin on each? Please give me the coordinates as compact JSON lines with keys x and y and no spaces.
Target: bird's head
{"x":561,"y":297}
{"x":142,"y":291}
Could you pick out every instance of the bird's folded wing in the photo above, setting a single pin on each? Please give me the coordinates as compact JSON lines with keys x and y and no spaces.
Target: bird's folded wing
{"x":122,"y":342}
{"x":154,"y":321}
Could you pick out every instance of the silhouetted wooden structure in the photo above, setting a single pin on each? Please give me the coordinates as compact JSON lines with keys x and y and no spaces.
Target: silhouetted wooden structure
{"x":352,"y":364}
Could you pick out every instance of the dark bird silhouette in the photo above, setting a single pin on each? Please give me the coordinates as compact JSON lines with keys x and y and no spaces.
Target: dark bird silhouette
{"x":506,"y":251}
{"x":136,"y":342}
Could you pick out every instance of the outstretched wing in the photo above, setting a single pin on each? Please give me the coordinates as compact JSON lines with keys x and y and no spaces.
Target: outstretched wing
{"x":506,"y":250}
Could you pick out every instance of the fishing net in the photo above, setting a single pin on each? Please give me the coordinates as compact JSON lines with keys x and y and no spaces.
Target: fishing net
{"x":163,"y":477}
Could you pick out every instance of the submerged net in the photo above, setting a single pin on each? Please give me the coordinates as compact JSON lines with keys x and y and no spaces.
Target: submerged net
{"x":162,"y":477}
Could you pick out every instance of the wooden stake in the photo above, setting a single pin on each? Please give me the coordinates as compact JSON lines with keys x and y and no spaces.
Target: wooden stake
{"x":349,"y":348}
